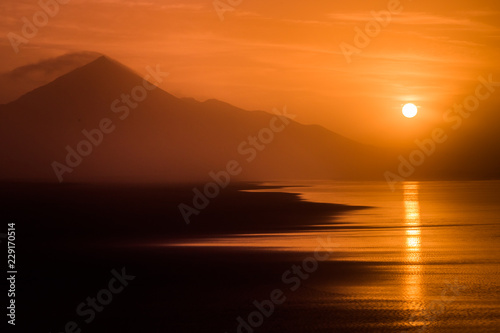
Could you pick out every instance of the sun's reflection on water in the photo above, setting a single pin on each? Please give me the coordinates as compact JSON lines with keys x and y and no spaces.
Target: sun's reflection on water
{"x":413,"y":267}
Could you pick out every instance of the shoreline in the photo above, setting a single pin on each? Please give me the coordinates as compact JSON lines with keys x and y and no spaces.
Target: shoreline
{"x":145,"y":212}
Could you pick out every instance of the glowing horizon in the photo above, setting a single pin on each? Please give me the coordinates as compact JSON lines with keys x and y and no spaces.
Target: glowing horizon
{"x":262,"y":55}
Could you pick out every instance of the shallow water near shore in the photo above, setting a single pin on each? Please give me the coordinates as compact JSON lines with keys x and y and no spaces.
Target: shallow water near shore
{"x":433,"y":249}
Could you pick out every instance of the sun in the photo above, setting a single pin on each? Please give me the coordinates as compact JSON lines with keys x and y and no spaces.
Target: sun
{"x":410,"y":110}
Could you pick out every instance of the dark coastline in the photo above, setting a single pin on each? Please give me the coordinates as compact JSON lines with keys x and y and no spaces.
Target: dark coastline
{"x":95,"y":213}
{"x":71,"y":236}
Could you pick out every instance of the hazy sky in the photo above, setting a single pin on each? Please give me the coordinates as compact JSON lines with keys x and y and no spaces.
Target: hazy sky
{"x":266,"y":54}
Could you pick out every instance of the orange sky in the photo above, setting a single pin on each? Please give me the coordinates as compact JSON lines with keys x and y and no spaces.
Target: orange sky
{"x":267,"y":54}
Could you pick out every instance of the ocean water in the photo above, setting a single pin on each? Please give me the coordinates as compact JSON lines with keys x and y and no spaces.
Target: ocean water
{"x":432,"y":250}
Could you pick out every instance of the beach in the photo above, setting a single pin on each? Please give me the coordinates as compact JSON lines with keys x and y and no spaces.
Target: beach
{"x":266,"y":260}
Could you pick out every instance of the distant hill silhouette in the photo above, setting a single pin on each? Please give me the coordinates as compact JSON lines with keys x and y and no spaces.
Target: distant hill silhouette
{"x":164,"y":138}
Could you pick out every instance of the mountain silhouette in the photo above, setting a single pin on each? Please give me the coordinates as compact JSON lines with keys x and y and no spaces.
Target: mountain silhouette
{"x":23,"y":79}
{"x":156,"y":137}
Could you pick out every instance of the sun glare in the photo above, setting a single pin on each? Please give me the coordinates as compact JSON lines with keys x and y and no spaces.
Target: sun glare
{"x":410,"y":110}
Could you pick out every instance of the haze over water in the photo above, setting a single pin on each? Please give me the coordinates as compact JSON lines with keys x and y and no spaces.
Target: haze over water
{"x":431,"y":250}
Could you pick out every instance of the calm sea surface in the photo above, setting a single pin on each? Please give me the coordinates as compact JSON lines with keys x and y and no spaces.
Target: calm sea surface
{"x":434,"y":246}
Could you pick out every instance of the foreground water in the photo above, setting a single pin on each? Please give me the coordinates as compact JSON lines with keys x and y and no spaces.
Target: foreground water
{"x":434,"y":248}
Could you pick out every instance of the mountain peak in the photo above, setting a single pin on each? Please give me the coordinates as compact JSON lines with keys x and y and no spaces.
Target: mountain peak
{"x":26,"y":78}
{"x":104,"y":60}
{"x":104,"y":65}
{"x":102,"y":78}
